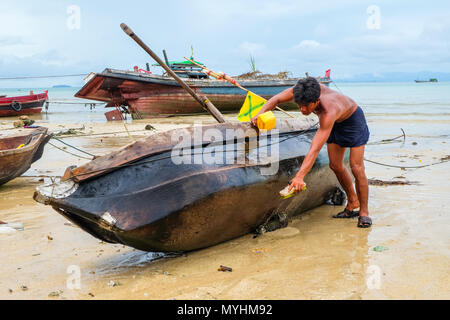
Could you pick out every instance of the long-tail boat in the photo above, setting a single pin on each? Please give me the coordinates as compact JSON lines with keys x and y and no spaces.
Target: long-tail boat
{"x":145,"y":95}
{"x":22,"y":105}
{"x":153,"y":195}
{"x":19,"y":150}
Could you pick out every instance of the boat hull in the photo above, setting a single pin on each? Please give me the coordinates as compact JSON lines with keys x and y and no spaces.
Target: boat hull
{"x":14,"y":162}
{"x":150,"y":96}
{"x":23,"y":105}
{"x":158,"y":205}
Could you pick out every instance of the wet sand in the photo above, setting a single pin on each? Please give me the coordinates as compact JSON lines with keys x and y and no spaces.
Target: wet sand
{"x":315,"y":257}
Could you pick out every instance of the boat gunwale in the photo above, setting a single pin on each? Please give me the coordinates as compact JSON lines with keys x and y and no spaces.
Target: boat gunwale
{"x":23,"y":99}
{"x":36,"y":137}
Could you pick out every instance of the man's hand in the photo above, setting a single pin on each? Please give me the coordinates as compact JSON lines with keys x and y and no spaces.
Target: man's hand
{"x":298,"y":184}
{"x":254,"y":119}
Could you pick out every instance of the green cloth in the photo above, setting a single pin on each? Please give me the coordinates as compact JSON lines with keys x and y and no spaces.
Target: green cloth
{"x":185,"y":62}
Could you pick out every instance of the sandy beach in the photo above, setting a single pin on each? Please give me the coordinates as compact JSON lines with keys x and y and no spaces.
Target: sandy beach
{"x":315,"y":257}
{"x":102,"y":75}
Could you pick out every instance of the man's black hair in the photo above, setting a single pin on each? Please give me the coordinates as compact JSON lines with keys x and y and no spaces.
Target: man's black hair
{"x":306,"y":91}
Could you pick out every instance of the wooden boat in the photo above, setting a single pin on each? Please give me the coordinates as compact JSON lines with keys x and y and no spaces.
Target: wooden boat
{"x":19,"y":150}
{"x":30,"y":104}
{"x":148,"y":95}
{"x":142,"y":196}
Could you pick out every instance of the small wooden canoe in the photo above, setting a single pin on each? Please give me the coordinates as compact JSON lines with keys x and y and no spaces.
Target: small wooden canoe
{"x":143,"y":196}
{"x":30,"y":104}
{"x":19,"y":150}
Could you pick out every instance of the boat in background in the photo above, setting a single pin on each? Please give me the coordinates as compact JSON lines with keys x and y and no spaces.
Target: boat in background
{"x":23,"y":105}
{"x":19,"y":150}
{"x":145,"y":95}
{"x":430,"y":80}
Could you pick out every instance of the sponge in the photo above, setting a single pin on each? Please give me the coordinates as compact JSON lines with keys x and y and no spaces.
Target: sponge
{"x":285,"y":193}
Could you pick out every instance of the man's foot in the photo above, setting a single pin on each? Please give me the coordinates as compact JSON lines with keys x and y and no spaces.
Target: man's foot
{"x":346,"y":214}
{"x":352,"y":205}
{"x":364,"y":222}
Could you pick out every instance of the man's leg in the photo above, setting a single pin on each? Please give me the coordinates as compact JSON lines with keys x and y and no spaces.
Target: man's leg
{"x":336,"y":156}
{"x":362,"y":185}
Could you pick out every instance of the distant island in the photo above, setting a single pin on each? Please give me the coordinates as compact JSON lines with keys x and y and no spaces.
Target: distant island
{"x":61,"y":86}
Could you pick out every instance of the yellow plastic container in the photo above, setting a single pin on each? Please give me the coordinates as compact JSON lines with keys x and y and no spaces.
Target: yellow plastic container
{"x":266,"y":121}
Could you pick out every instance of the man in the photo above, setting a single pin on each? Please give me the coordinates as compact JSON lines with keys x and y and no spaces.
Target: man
{"x":342,"y":125}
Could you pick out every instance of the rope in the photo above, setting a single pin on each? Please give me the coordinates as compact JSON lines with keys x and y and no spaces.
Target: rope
{"x":385,"y":141}
{"x":96,"y":134}
{"x":42,"y":176}
{"x":337,"y":87}
{"x":41,"y":77}
{"x":125,"y":126}
{"x":69,"y":145}
{"x":80,"y":103}
{"x":16,"y":105}
{"x":407,"y":167}
{"x":68,"y":152}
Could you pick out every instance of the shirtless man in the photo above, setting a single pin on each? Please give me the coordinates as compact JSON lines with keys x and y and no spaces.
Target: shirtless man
{"x":342,"y":125}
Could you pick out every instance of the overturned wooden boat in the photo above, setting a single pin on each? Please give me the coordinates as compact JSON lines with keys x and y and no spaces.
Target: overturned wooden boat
{"x":191,"y":188}
{"x":151,"y":95}
{"x":22,"y":105}
{"x":19,"y":150}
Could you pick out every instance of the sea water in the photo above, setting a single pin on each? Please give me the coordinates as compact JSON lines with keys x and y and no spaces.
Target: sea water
{"x":408,"y":101}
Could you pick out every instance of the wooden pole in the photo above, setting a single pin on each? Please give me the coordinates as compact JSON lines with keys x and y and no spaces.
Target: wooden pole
{"x":210,"y":107}
{"x":165,"y":57}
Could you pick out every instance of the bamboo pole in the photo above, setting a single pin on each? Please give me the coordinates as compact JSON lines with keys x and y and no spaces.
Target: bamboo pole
{"x":225,"y":77}
{"x":207,"y":106}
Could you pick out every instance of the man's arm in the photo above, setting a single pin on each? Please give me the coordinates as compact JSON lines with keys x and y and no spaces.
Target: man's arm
{"x":322,"y":134}
{"x":284,"y":96}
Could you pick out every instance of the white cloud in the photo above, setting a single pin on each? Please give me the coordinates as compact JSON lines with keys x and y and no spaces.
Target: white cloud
{"x":308,"y":44}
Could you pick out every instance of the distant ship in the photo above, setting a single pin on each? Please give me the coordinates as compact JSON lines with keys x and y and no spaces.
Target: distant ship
{"x":430,"y":80}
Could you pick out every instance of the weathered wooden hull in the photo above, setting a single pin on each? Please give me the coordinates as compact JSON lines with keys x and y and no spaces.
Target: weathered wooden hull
{"x":14,"y":162}
{"x":157,"y":96}
{"x":158,"y":205}
{"x":23,"y":105}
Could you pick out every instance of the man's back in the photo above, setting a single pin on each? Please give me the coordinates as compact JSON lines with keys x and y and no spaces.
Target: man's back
{"x":336,"y":103}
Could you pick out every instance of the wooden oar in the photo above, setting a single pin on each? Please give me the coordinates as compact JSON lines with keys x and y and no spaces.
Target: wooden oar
{"x":205,"y":103}
{"x":223,"y":76}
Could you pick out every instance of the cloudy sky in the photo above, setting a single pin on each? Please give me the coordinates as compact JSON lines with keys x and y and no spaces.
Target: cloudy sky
{"x":350,"y":37}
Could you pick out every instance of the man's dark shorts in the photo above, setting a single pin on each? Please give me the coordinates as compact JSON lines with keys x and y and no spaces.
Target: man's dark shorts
{"x":352,"y":132}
